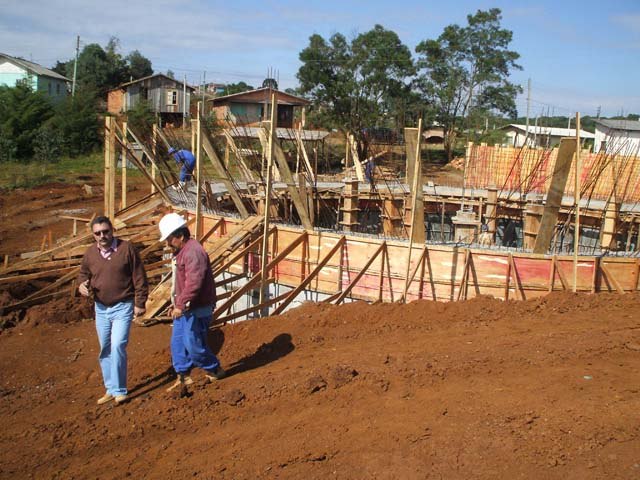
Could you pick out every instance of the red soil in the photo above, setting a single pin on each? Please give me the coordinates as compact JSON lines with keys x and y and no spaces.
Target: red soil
{"x":547,"y":388}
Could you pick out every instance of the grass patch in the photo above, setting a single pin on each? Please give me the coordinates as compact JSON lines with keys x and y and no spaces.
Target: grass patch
{"x":67,"y":170}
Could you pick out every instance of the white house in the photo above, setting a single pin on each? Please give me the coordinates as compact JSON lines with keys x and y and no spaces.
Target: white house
{"x":617,"y":136}
{"x":518,"y":135}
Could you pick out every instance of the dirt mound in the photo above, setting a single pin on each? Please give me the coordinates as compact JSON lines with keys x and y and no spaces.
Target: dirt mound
{"x":546,"y":388}
{"x":61,"y":310}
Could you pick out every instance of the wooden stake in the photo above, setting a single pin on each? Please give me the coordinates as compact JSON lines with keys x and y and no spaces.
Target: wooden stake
{"x":576,"y":196}
{"x":199,"y":172}
{"x":123,"y":200}
{"x":416,"y":197}
{"x":154,"y":151}
{"x":267,"y":199}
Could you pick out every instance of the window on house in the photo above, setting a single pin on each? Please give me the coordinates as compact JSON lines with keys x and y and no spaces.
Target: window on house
{"x":172,"y":97}
{"x":58,"y":89}
{"x":49,"y":87}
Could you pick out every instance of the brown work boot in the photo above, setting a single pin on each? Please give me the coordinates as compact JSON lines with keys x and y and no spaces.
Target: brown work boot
{"x":216,"y":374}
{"x":107,"y":397}
{"x":182,"y":380}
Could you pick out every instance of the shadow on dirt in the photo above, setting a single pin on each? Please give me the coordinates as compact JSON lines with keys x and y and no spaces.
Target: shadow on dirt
{"x":153,"y":383}
{"x":266,"y":353}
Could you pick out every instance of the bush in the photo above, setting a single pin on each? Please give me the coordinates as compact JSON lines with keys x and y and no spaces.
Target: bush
{"x":47,"y":145}
{"x":22,"y":113}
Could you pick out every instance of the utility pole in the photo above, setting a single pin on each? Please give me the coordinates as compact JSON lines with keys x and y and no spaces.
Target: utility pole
{"x":528,"y":102}
{"x":204,"y":83}
{"x":75,"y":67}
{"x":598,"y":111}
{"x":184,"y":103}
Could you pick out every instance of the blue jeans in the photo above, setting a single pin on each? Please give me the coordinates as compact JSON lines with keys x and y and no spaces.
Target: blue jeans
{"x":113,"y":324}
{"x":189,"y":346}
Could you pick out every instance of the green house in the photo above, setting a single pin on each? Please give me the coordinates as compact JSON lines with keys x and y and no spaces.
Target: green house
{"x":14,"y":71}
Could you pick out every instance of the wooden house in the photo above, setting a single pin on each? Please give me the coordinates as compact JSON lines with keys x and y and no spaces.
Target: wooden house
{"x":248,"y":108}
{"x":168,"y":97}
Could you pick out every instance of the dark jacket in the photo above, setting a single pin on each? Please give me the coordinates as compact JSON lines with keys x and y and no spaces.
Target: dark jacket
{"x":194,"y":278}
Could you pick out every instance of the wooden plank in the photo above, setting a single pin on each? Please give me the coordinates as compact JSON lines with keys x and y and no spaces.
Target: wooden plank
{"x":224,"y":174}
{"x":258,"y":276}
{"x":244,"y":169}
{"x":33,"y":276}
{"x":312,"y":175}
{"x":310,"y":277}
{"x":611,"y":278}
{"x":347,"y":290}
{"x":287,"y":177}
{"x":553,"y":203}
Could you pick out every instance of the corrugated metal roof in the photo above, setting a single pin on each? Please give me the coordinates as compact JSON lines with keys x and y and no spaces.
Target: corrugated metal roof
{"x":34,"y":67}
{"x":126,"y":84}
{"x":552,"y":131}
{"x":628,"y":125}
{"x":301,"y":100}
{"x":282,"y":133}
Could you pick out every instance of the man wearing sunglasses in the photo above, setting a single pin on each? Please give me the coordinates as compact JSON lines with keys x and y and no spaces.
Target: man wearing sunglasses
{"x":113,"y":274}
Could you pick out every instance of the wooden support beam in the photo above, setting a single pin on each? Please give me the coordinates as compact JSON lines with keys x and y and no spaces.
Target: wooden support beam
{"x":109,"y":166}
{"x":416,"y":227}
{"x":199,"y":173}
{"x":241,"y":253}
{"x":247,"y":311}
{"x":294,"y":293}
{"x":356,"y":159}
{"x":244,"y":169}
{"x":143,"y":170}
{"x":305,"y":157}
{"x":465,"y":275}
{"x":287,"y":177}
{"x":257,"y":278}
{"x":611,"y":278}
{"x":224,"y":174}
{"x":123,"y":195}
{"x":342,"y":295}
{"x":564,"y":158}
{"x":154,"y":152}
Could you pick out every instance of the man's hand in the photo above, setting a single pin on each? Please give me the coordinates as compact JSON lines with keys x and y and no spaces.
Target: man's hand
{"x":139,"y":311}
{"x":176,"y":312}
{"x":84,"y":288}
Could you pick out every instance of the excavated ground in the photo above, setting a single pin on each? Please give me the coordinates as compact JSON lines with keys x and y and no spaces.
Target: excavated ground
{"x":548,"y":388}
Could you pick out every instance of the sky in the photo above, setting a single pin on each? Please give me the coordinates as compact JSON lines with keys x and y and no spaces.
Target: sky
{"x":581,"y":56}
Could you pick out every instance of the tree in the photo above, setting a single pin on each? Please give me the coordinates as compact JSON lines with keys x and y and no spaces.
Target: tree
{"x":77,"y":123}
{"x":467,"y":68}
{"x":22,"y":113}
{"x":94,"y":69}
{"x":141,"y":118}
{"x":139,"y":66}
{"x":354,"y":85}
{"x":170,"y":74}
{"x":239,"y":87}
{"x":270,"y":83}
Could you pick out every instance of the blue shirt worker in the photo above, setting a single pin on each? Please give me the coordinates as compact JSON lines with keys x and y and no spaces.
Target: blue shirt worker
{"x":193,"y":299}
{"x":187,"y":162}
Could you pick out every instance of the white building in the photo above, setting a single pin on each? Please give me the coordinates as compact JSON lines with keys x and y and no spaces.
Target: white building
{"x":518,"y":135}
{"x":618,"y":137}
